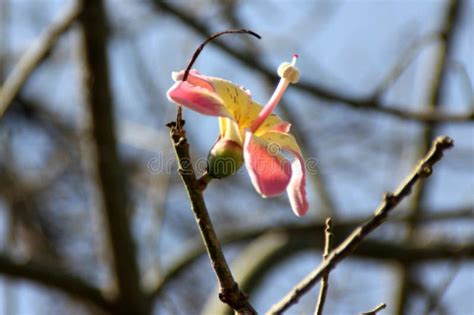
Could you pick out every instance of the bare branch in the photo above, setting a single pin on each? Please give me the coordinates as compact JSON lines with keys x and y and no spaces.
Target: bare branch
{"x":36,"y":54}
{"x":328,"y":240}
{"x":323,"y":93}
{"x":302,"y":237}
{"x":55,"y":278}
{"x":229,"y":289}
{"x":422,"y":170}
{"x":375,"y":310}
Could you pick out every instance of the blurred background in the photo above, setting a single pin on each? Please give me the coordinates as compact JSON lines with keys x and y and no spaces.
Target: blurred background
{"x":380,"y":80}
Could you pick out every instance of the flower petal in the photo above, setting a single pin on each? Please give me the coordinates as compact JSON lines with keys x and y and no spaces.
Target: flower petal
{"x":197,"y":98}
{"x":195,"y":78}
{"x":236,"y":98}
{"x":269,"y":171}
{"x":297,"y":186}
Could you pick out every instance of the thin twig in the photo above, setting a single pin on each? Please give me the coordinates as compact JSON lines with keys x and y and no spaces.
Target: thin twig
{"x":229,"y":289}
{"x":375,"y":310}
{"x":210,"y":39}
{"x":36,"y":53}
{"x":390,"y":200}
{"x":302,"y":238}
{"x":316,"y":90}
{"x":328,"y":240}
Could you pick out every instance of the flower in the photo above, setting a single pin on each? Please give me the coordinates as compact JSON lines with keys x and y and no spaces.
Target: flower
{"x":248,"y":126}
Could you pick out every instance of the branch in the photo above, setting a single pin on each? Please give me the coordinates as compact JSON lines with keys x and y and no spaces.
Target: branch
{"x":328,"y":240}
{"x":111,"y":178}
{"x":37,"y":52}
{"x":449,"y":24}
{"x":422,"y":170}
{"x":302,"y":237}
{"x":55,"y":278}
{"x":229,"y":289}
{"x":375,"y":310}
{"x":364,"y":103}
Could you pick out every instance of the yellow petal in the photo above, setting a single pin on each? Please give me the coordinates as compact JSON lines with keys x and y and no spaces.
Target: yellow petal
{"x":235,"y":99}
{"x":281,"y":140}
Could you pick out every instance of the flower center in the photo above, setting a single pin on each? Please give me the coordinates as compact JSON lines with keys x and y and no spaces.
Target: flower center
{"x":288,"y":74}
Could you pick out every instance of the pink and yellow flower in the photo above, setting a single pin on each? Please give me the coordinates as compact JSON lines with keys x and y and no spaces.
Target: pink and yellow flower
{"x":248,"y":127}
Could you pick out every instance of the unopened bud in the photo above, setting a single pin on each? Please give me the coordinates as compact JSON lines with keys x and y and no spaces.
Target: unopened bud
{"x":225,"y":158}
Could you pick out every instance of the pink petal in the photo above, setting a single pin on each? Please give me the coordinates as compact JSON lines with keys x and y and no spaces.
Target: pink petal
{"x":197,"y":98}
{"x":270,"y":173}
{"x":194,"y":78}
{"x":297,"y":188}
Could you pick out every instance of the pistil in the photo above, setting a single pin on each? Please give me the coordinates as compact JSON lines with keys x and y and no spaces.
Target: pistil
{"x":288,"y":74}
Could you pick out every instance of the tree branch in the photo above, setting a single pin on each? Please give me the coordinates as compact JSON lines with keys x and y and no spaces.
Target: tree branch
{"x":36,"y":53}
{"x":422,"y":170}
{"x":110,"y":175}
{"x":55,"y":278}
{"x":328,"y":240}
{"x":229,"y":289}
{"x":435,"y":90}
{"x":375,"y":310}
{"x":363,"y":103}
{"x":302,"y":237}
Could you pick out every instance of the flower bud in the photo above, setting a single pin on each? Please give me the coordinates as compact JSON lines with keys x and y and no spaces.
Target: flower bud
{"x":225,"y":158}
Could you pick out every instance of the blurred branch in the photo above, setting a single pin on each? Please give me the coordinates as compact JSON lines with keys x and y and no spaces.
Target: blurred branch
{"x":323,"y":93}
{"x":54,"y":278}
{"x":435,"y":91}
{"x":465,"y":79}
{"x":110,"y":175}
{"x":407,"y":57}
{"x":37,"y":52}
{"x":323,"y":290}
{"x":435,"y":297}
{"x":229,"y":289}
{"x":298,"y":238}
{"x":390,"y":201}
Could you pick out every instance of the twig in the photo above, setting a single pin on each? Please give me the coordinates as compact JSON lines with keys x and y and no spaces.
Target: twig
{"x":390,"y":200}
{"x":328,"y":240}
{"x":229,"y":289}
{"x":302,"y":237}
{"x":375,"y":310}
{"x":55,"y":278}
{"x":36,"y":53}
{"x":110,"y":176}
{"x":321,"y":92}
{"x":210,"y":39}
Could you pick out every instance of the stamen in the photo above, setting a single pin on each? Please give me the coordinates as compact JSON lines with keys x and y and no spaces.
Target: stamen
{"x":289,"y":74}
